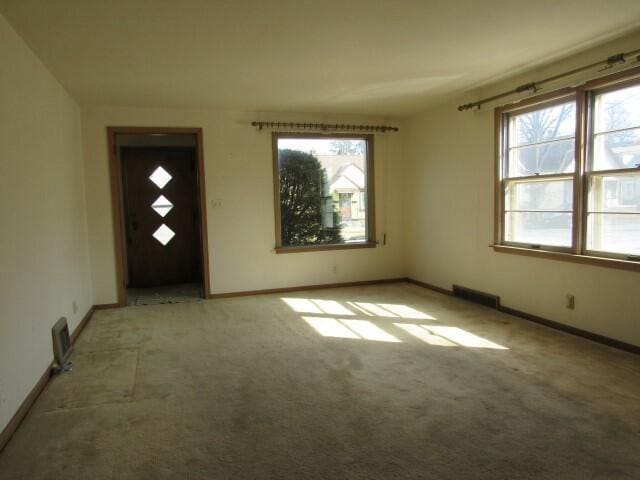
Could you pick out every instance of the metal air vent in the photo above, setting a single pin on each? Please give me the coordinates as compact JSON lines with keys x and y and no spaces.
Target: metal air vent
{"x":61,"y":342}
{"x":475,"y":296}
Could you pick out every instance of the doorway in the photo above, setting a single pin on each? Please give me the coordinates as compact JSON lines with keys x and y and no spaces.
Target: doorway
{"x":159,"y":206}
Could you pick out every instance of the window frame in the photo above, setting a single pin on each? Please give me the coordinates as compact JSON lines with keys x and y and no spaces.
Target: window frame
{"x":370,"y":242}
{"x":526,"y":107}
{"x":584,"y":97}
{"x":589,"y":161}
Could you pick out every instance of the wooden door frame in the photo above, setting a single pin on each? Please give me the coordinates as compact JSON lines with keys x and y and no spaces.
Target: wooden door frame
{"x":117,"y":206}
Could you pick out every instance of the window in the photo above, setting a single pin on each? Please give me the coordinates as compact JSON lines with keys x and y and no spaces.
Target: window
{"x":539,"y":175}
{"x":322,"y":191}
{"x":568,"y":177}
{"x":613,"y":178}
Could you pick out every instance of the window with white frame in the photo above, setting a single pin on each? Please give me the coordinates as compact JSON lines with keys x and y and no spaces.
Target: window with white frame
{"x":539,"y":171}
{"x":568,"y":177}
{"x":613,"y":173}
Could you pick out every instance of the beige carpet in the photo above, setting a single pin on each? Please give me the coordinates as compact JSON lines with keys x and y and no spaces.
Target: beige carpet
{"x":381,"y":382}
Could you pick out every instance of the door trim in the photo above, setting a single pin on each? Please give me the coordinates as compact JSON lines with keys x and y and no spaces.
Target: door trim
{"x":115,"y":172}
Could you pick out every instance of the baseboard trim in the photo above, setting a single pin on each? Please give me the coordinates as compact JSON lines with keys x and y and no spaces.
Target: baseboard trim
{"x":595,"y":337}
{"x":610,"y":342}
{"x":269,"y":291}
{"x":106,"y":306}
{"x":23,"y":410}
{"x":83,"y":323}
{"x":429,"y":286}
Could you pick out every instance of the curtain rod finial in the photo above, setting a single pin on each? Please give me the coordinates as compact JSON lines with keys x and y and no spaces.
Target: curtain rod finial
{"x":469,"y":106}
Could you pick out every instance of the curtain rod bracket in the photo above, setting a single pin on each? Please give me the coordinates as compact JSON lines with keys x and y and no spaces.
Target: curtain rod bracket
{"x":527,"y":87}
{"x":469,"y":106}
{"x":612,"y":61}
{"x":615,"y":59}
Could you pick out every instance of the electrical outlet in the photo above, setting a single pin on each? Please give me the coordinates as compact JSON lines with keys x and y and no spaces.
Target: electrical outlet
{"x":335,"y":269}
{"x":75,"y":307}
{"x":570,"y":301}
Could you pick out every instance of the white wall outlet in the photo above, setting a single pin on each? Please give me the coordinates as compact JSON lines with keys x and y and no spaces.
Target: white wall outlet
{"x":570,"y":301}
{"x":75,"y":306}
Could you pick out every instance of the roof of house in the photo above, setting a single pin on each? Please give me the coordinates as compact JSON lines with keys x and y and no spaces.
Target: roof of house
{"x":348,"y":177}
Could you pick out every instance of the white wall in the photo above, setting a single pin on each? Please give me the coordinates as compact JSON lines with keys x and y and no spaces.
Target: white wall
{"x":238,"y":170}
{"x":450,"y":181}
{"x":44,"y":263}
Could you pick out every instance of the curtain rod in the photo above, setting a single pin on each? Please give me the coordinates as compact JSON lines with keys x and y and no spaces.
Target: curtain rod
{"x":608,"y":63}
{"x":331,"y":127}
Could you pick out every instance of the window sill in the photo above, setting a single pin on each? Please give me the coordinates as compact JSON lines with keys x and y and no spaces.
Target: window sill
{"x":570,"y":257}
{"x":318,"y":248}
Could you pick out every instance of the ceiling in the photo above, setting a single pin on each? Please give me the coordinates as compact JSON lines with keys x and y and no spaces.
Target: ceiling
{"x":385,"y":57}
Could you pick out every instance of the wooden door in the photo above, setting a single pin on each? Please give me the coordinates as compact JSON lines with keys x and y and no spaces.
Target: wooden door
{"x":161,"y":216}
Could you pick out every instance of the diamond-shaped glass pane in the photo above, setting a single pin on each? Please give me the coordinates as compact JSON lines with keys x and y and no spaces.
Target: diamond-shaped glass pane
{"x":162,"y":205}
{"x":160,"y":177}
{"x":163,"y":234}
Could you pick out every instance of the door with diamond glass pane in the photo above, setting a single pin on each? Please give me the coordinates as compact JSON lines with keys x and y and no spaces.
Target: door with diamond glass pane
{"x":161,"y":216}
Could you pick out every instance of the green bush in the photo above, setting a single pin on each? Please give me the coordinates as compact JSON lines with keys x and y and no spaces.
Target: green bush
{"x":305,"y":201}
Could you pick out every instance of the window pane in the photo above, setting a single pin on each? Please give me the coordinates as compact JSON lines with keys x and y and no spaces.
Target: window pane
{"x":615,"y":193}
{"x":539,"y":195}
{"x":322,"y":190}
{"x":614,"y":232}
{"x":553,"y":157}
{"x":538,"y":228}
{"x":617,"y":150}
{"x":617,"y":110}
{"x":543,"y":125}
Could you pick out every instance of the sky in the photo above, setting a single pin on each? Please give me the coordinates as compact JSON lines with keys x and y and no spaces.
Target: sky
{"x":321,"y":146}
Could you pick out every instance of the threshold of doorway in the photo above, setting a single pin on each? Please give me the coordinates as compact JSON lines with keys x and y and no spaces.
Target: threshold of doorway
{"x":182,"y":293}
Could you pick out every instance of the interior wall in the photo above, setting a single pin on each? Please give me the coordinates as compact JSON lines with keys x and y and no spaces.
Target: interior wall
{"x":450,"y":194}
{"x":44,"y":261}
{"x":240,"y":209}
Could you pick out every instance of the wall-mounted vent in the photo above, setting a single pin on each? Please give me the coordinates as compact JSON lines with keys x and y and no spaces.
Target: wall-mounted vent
{"x":475,"y":296}
{"x":61,"y":342}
